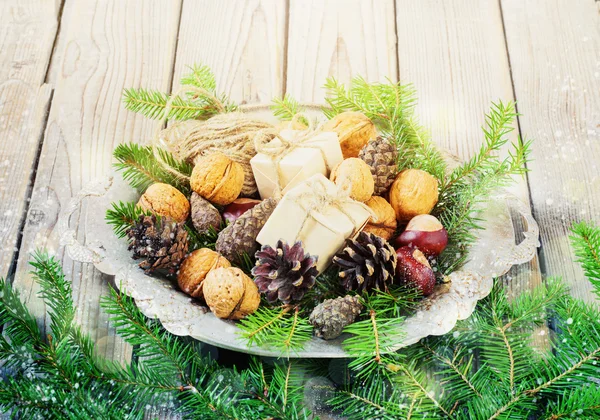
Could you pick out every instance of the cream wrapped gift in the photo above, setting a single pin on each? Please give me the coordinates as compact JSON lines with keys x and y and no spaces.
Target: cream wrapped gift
{"x":319,"y":214}
{"x":292,"y":157}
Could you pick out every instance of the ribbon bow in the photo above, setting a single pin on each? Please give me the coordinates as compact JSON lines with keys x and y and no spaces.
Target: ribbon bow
{"x":263,"y":143}
{"x":319,"y":198}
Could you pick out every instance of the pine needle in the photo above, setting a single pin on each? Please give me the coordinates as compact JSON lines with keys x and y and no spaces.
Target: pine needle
{"x":586,"y":243}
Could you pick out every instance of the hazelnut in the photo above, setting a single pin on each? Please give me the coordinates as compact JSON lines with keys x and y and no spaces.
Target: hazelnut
{"x":414,"y":270}
{"x":354,"y":130}
{"x":426,"y":233}
{"x":230,"y":294}
{"x":354,"y":174}
{"x":165,"y":200}
{"x":195,"y":267}
{"x":414,"y":192}
{"x":237,"y":208}
{"x":217,"y":178}
{"x":385,"y":225}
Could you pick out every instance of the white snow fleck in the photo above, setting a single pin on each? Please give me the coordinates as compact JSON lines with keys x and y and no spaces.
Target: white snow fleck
{"x":549,"y":201}
{"x":570,"y":321}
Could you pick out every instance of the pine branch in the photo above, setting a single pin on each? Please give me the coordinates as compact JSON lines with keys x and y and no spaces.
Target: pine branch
{"x":56,"y":292}
{"x":586,"y":243}
{"x":277,"y":328}
{"x":468,"y":187}
{"x":201,"y":103}
{"x":122,"y":216}
{"x":141,"y":168}
{"x":391,"y":107}
{"x":152,"y":104}
{"x":285,"y":109}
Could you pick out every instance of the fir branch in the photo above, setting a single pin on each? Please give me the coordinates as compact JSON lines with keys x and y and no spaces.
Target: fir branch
{"x":56,"y":292}
{"x":141,"y":168}
{"x":152,"y":104}
{"x":276,"y":327}
{"x":391,"y":107}
{"x":200,"y":76}
{"x":464,"y":191}
{"x":122,"y":216}
{"x":201,"y":102}
{"x":286,"y":108}
{"x":197,"y":240}
{"x":586,"y":243}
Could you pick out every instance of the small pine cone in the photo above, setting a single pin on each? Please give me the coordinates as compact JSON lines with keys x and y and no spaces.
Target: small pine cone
{"x":239,"y":237}
{"x":333,"y":315}
{"x":284,"y":273}
{"x":204,"y":215}
{"x":161,"y":243}
{"x":381,"y":156}
{"x":367,"y":262}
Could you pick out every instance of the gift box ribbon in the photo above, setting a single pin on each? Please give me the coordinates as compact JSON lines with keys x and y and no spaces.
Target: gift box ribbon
{"x":263,"y":143}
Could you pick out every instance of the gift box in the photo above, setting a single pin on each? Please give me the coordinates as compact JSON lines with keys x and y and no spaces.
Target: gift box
{"x":292,"y":157}
{"x":318,"y":213}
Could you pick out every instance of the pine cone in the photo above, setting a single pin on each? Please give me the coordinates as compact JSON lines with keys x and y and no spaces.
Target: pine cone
{"x":367,"y":262}
{"x":381,"y":156}
{"x":239,"y":238}
{"x":161,"y":243}
{"x":284,"y":272}
{"x":333,"y":315}
{"x":204,"y":214}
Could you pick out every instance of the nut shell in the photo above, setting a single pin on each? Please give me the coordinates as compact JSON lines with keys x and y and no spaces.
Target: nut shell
{"x":386,"y":224}
{"x":165,"y":200}
{"x":230,"y":294}
{"x":354,"y":174}
{"x":354,"y":130}
{"x":195,"y":267}
{"x":217,"y":178}
{"x":414,"y":192}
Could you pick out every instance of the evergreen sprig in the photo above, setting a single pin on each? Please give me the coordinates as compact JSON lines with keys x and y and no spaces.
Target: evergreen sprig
{"x":282,"y":328}
{"x":121,"y":216}
{"x":470,"y":185}
{"x":141,"y":168}
{"x":61,"y":376}
{"x":201,"y":103}
{"x":586,"y":243}
{"x":286,"y":108}
{"x":391,"y":107}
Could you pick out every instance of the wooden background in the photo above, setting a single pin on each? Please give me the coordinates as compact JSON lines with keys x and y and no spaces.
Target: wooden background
{"x":64,"y":64}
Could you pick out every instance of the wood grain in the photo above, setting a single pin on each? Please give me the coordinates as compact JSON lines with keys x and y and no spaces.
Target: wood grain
{"x":338,"y":38}
{"x":455,"y":55}
{"x":554,"y":49}
{"x":242,"y":42}
{"x":109,"y":45}
{"x":27,"y":33}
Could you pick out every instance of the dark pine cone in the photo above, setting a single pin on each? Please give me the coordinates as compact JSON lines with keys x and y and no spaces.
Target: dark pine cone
{"x":161,"y":243}
{"x":367,"y":262}
{"x":333,"y":315}
{"x":284,"y":272}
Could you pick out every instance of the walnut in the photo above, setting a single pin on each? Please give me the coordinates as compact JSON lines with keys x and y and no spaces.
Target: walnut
{"x":413,"y":192}
{"x":195,"y":267}
{"x":165,"y":200}
{"x":354,"y":130}
{"x":354,"y":174}
{"x":385,"y":226}
{"x":230,"y":294}
{"x":217,"y":178}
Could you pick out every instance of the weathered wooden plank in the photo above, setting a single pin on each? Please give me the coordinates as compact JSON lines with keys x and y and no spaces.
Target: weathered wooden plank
{"x":338,"y":38}
{"x":242,"y":42}
{"x":27,"y":33}
{"x":109,"y":45}
{"x":456,"y":57}
{"x":554,"y":49}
